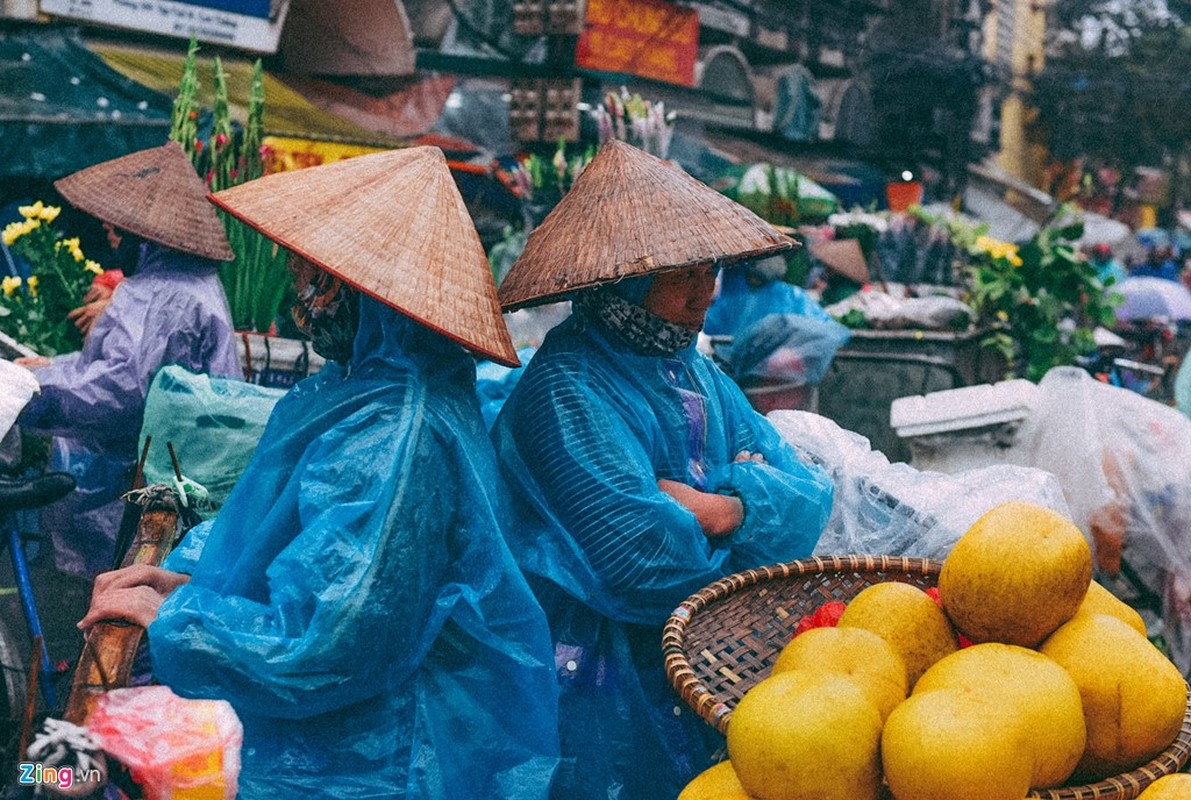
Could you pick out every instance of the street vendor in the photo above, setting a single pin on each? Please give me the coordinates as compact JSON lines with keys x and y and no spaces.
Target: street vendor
{"x":354,"y":600}
{"x":172,"y":311}
{"x":638,"y":471}
{"x":750,"y":292}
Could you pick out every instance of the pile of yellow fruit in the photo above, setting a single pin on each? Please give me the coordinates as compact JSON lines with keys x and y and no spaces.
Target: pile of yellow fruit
{"x":1060,"y":685}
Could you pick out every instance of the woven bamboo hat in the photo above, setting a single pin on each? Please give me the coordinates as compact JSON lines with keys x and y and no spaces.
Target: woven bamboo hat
{"x":843,"y":256}
{"x":155,"y":194}
{"x":631,"y":214}
{"x":394,"y":226}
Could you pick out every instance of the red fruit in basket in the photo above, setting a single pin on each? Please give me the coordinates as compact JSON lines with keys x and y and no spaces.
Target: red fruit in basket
{"x":933,"y":593}
{"x":825,"y":616}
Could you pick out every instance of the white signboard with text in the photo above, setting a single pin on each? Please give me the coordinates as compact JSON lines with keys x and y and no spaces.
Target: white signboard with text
{"x":207,"y":24}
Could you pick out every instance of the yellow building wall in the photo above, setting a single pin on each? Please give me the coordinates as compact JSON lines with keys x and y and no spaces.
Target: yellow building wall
{"x":1015,"y":36}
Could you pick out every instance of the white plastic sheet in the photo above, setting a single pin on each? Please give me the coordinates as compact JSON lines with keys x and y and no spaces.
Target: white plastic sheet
{"x":885,"y":508}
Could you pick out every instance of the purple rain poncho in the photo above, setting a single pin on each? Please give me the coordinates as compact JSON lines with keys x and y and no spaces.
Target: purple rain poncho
{"x":582,"y":441}
{"x":355,"y":600}
{"x":172,"y":311}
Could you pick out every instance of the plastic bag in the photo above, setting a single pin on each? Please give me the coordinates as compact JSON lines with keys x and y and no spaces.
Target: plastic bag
{"x":1124,"y":463}
{"x":1182,"y":387}
{"x":17,"y":386}
{"x":213,"y":423}
{"x":883,"y":310}
{"x":794,"y":348}
{"x":174,"y":747}
{"x":885,"y":508}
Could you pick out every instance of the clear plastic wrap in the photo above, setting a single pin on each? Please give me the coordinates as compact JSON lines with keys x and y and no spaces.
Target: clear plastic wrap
{"x":174,"y":747}
{"x":1124,"y":463}
{"x":894,"y":509}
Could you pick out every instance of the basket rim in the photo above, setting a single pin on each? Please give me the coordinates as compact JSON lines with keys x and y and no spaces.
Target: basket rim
{"x":717,"y":713}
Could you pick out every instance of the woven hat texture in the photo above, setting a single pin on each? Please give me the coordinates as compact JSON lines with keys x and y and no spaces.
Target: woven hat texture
{"x":155,"y":194}
{"x":843,"y":256}
{"x":631,"y":213}
{"x":393,"y":225}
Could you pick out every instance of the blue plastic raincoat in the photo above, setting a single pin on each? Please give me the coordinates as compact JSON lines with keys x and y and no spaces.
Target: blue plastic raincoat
{"x":172,"y":311}
{"x":739,"y":305}
{"x":583,"y":439}
{"x":354,"y":599}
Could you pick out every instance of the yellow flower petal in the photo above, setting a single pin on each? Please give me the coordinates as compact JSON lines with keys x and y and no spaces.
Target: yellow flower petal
{"x":33,"y":211}
{"x":50,"y":213}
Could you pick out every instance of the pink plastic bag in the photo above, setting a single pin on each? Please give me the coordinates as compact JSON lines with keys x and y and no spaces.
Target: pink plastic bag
{"x":176,"y":749}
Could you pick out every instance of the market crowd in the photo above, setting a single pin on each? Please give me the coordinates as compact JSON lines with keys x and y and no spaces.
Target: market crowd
{"x":395,"y":600}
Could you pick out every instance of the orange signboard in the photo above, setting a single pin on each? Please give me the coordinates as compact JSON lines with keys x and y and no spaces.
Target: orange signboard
{"x":647,"y":38}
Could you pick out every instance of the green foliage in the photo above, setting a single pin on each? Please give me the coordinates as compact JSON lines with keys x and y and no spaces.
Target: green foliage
{"x":256,"y":282}
{"x":34,"y":311}
{"x":1043,"y":298}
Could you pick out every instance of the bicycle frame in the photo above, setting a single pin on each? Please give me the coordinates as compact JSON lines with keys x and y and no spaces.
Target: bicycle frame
{"x":20,"y":569}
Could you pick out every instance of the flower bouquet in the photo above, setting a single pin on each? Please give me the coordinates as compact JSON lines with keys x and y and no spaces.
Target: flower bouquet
{"x":33,"y":310}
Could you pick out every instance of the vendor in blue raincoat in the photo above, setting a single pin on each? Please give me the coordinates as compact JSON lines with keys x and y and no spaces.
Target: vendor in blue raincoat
{"x":638,"y":471}
{"x":749,"y":293}
{"x":171,"y":311}
{"x":355,"y":600}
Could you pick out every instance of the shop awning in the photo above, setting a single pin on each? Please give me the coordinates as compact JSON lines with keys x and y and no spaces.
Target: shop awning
{"x":287,"y":113}
{"x":63,"y":109}
{"x":853,"y":182}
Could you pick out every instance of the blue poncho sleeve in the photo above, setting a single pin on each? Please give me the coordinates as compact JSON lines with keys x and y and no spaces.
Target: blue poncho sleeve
{"x":630,"y":550}
{"x":636,"y":548}
{"x":350,"y":602}
{"x":786,"y":503}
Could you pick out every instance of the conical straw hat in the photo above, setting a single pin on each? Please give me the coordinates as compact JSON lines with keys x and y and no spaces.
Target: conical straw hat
{"x":155,"y":194}
{"x":843,"y":256}
{"x":629,"y":214}
{"x":394,"y":226}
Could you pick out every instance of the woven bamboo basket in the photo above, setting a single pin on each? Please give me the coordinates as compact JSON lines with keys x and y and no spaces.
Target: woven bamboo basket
{"x":724,"y":639}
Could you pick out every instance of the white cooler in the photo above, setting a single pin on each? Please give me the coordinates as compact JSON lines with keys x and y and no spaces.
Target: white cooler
{"x":964,"y":428}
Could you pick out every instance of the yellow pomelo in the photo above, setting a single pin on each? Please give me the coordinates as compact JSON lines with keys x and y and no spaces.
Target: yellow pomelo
{"x":805,"y":735}
{"x":1099,"y":600}
{"x":1133,"y":697}
{"x":857,"y":653}
{"x":907,"y":618}
{"x":1016,"y":575}
{"x":952,"y":744}
{"x":1042,"y":695}
{"x":715,"y":783}
{"x":1169,"y":787}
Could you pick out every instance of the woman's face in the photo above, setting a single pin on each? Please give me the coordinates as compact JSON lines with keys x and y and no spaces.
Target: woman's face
{"x":682,"y":296}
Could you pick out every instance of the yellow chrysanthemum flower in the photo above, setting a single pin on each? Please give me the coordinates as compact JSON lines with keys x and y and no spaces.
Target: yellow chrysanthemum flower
{"x":32,"y":283}
{"x":1003,"y":315}
{"x":33,"y":211}
{"x":93,"y":267}
{"x":10,"y":284}
{"x":12,"y":232}
{"x":50,"y":213}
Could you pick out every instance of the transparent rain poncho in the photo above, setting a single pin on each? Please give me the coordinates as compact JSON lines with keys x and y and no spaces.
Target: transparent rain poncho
{"x":739,"y":304}
{"x":354,"y":599}
{"x":583,"y":439}
{"x":172,"y":311}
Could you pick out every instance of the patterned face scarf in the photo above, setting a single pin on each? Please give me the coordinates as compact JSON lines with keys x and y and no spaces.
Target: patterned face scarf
{"x":645,"y":333}
{"x":328,"y":311}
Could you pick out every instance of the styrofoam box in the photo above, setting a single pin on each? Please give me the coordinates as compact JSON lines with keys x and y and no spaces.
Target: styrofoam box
{"x":962,"y":409}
